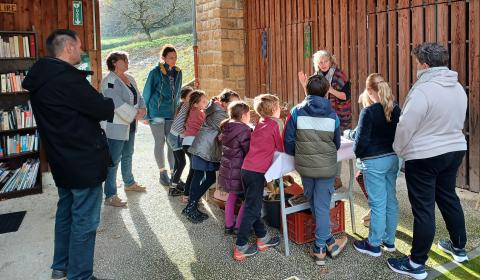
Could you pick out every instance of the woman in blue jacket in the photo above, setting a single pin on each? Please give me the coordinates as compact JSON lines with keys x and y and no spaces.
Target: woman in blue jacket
{"x":162,"y":96}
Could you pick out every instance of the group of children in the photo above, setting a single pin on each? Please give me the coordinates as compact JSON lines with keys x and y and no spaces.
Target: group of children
{"x":218,"y":137}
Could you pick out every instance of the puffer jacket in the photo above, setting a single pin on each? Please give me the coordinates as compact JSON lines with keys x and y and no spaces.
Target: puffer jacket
{"x":312,"y":135}
{"x":206,"y":144}
{"x":235,"y":144}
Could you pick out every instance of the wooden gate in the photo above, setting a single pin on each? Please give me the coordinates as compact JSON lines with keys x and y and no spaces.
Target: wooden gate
{"x":365,"y":36}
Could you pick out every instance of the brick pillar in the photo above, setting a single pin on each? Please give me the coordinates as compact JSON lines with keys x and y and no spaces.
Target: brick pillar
{"x":221,"y":45}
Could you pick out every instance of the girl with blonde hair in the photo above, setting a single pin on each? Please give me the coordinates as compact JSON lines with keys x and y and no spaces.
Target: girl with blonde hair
{"x":373,"y":145}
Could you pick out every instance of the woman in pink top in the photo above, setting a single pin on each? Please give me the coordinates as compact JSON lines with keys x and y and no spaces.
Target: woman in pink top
{"x":264,"y":142}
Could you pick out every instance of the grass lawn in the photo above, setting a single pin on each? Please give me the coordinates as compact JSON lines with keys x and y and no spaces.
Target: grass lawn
{"x":469,"y":270}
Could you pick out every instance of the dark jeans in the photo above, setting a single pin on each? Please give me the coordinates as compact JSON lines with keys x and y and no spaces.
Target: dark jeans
{"x":201,"y":182}
{"x":433,"y":180}
{"x":76,"y":222}
{"x":186,"y":191}
{"x":253,"y":184}
{"x":180,"y":163}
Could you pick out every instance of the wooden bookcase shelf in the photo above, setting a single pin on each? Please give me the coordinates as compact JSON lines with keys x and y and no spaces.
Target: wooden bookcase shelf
{"x":7,"y":102}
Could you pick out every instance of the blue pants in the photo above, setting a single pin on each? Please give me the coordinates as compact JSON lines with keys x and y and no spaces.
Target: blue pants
{"x":76,"y":222}
{"x":319,"y":192}
{"x":121,"y":152}
{"x":380,"y":175}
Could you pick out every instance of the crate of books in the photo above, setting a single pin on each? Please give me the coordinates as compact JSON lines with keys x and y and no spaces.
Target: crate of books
{"x":19,"y":139}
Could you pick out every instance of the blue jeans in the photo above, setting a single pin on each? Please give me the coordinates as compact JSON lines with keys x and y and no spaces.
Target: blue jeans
{"x":319,"y":192}
{"x":122,"y":152}
{"x":76,"y":222}
{"x":380,"y":175}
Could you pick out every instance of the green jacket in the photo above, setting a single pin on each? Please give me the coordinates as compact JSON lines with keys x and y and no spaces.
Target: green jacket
{"x":160,"y":100}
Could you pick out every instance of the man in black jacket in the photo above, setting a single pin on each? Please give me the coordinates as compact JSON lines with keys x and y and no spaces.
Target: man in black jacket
{"x":68,"y":111}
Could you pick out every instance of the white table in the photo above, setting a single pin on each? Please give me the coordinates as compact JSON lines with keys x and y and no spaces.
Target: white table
{"x":283,"y":164}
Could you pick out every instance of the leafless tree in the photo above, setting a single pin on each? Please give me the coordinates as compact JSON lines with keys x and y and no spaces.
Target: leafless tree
{"x":149,"y":15}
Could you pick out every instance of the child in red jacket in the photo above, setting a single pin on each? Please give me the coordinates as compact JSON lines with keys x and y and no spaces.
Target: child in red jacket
{"x":265,"y":141}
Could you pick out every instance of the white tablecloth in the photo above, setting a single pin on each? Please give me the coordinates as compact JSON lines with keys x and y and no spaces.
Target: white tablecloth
{"x":284,"y":163}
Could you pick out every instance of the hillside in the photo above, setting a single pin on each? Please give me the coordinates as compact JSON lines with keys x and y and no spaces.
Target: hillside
{"x":144,"y":55}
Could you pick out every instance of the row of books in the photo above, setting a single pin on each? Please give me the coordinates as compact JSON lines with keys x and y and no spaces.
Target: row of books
{"x":18,"y":118}
{"x":16,"y":144}
{"x":17,"y":46}
{"x":12,"y":82}
{"x":19,"y":179}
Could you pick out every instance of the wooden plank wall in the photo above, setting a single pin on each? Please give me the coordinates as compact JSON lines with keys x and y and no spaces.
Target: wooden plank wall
{"x":367,"y":36}
{"x":48,"y":15}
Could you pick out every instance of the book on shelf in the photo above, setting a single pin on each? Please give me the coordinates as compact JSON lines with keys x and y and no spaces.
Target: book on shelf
{"x":18,"y":118}
{"x":17,"y":144}
{"x":22,"y":178}
{"x":17,"y":46}
{"x":12,"y":82}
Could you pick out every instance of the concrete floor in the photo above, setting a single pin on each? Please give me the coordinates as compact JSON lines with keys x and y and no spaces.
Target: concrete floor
{"x":151,"y":240}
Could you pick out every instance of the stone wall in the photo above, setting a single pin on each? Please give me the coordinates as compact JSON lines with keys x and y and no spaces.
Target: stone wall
{"x":221,"y":45}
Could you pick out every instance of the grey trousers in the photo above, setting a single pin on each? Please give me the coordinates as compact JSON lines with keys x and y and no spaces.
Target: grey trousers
{"x":160,"y":132}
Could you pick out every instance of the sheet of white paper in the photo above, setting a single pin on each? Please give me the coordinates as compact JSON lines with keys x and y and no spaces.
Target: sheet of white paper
{"x":284,"y":163}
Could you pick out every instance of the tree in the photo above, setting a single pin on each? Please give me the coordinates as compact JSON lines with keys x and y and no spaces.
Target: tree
{"x":149,"y":15}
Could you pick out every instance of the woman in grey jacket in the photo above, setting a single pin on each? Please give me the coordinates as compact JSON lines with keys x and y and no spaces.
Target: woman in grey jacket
{"x":129,"y":108}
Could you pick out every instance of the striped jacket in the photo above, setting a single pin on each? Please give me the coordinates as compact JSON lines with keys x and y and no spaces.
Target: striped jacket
{"x":312,"y":135}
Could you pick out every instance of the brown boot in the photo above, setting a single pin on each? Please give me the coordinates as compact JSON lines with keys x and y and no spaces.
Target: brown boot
{"x":337,"y":247}
{"x":115,"y":201}
{"x":135,"y":188}
{"x":338,"y":183}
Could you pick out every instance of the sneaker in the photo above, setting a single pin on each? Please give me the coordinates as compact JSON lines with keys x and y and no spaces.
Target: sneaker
{"x":319,"y":255}
{"x":459,"y":255}
{"x":388,"y":247}
{"x":240,"y":253}
{"x":115,"y":201}
{"x":135,"y":188}
{"x":164,"y":179}
{"x":58,"y":274}
{"x":363,"y":246}
{"x":402,"y":265}
{"x":338,"y":183}
{"x":174,"y":192}
{"x":337,"y":246}
{"x":266,"y":242}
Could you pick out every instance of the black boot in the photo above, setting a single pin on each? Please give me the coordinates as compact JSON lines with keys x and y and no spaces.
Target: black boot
{"x":203,"y":215}
{"x":195,"y":217}
{"x":190,"y":206}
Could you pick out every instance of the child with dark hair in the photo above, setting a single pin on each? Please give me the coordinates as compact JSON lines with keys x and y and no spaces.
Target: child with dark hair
{"x":235,"y":138}
{"x":194,"y":119}
{"x":265,"y":141}
{"x":312,"y":135}
{"x":174,"y":140}
{"x":206,"y":153}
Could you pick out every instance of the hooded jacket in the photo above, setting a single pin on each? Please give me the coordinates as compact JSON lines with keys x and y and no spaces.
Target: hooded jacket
{"x":160,"y":98}
{"x":68,"y":111}
{"x":235,"y":144}
{"x":312,"y":135}
{"x":206,"y":144}
{"x":433,"y":116}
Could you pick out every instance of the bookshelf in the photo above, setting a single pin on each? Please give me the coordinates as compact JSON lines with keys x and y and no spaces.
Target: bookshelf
{"x":19,"y":142}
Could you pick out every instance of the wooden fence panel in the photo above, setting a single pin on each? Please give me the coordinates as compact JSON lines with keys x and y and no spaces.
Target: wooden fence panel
{"x":369,"y":36}
{"x":474,"y":97}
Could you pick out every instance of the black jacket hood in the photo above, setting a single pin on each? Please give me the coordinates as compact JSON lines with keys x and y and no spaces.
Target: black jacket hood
{"x":46,"y":69}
